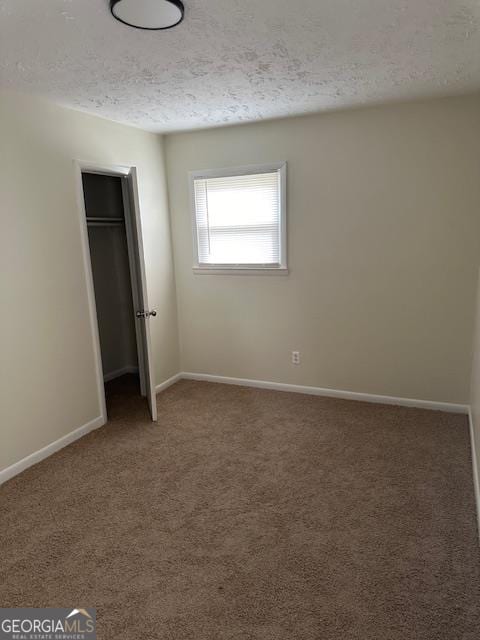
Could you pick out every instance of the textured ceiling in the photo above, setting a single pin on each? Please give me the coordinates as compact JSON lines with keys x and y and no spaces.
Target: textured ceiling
{"x":239,"y":60}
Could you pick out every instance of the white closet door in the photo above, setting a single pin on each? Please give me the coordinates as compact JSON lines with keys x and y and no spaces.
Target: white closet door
{"x":144,"y":314}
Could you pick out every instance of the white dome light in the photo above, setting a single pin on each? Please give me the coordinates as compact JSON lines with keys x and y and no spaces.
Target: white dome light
{"x":148,"y":14}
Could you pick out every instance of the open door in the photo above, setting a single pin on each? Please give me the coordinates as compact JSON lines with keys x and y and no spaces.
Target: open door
{"x":102,"y":210}
{"x":143,"y":313}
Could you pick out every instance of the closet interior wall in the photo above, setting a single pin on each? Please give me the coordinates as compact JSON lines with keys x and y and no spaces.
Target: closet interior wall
{"x":111,"y":274}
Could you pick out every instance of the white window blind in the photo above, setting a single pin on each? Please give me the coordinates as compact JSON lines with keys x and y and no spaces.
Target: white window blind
{"x":239,"y":219}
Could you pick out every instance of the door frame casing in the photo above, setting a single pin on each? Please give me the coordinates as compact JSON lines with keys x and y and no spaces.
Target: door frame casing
{"x":132,"y":210}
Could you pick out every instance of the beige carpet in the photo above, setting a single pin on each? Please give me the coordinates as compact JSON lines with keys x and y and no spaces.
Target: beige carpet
{"x":252,"y":514}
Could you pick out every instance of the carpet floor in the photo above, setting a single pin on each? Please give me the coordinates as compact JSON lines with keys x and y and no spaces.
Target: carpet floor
{"x":252,"y":514}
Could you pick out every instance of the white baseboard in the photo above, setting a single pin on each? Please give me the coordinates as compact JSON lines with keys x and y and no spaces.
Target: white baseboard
{"x":37,"y":456}
{"x":476,"y":471}
{"x":41,"y":454}
{"x":119,"y":372}
{"x":168,"y":383}
{"x":331,"y":393}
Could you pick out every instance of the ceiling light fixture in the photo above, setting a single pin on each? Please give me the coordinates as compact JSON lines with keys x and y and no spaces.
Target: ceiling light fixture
{"x":148,"y":14}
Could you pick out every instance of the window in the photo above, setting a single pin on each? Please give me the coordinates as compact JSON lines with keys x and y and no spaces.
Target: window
{"x":239,"y":219}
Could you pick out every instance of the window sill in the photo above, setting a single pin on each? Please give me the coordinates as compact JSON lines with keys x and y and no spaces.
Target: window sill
{"x":239,"y":271}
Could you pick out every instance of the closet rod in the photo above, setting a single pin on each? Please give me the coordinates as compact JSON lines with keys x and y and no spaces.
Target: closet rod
{"x":108,"y":220}
{"x":105,"y":224}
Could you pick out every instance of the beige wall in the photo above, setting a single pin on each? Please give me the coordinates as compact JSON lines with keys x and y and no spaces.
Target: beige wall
{"x":384,"y":238}
{"x":48,"y":385}
{"x":475,"y":402}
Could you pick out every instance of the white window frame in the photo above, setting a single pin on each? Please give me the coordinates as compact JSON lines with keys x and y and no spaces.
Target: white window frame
{"x":242,"y":269}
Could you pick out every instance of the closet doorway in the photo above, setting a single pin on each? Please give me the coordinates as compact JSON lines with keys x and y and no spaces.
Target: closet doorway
{"x":115,"y":271}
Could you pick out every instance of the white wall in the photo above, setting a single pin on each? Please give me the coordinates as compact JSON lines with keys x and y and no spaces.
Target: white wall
{"x":48,"y":385}
{"x":384,"y":238}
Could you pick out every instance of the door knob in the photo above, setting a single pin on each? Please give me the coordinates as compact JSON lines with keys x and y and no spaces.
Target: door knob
{"x":146,"y":314}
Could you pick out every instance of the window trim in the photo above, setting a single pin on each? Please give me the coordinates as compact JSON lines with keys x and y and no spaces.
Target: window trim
{"x":243,"y":268}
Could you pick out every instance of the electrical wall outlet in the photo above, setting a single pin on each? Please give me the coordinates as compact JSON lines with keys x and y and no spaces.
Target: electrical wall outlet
{"x":295,"y":357}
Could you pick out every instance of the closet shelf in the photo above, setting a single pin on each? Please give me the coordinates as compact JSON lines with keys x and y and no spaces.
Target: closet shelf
{"x":102,"y":222}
